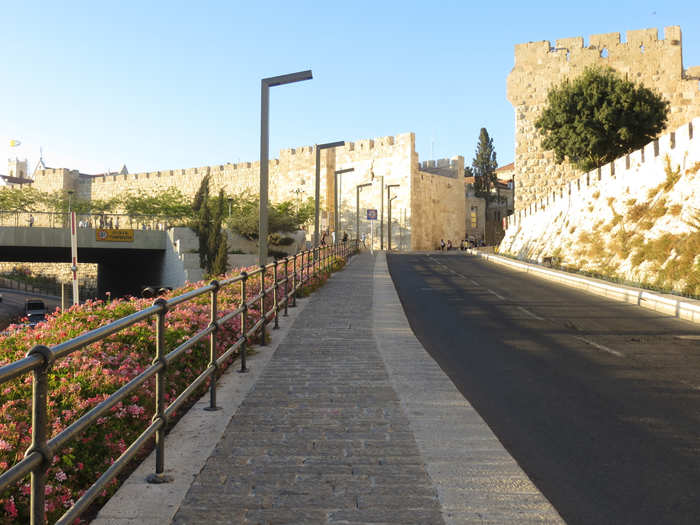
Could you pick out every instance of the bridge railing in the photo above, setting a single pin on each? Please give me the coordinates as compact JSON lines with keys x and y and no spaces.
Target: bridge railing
{"x":289,"y":275}
{"x":88,"y":220}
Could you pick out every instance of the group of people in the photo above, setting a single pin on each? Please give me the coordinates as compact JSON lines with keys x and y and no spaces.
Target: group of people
{"x":326,"y":234}
{"x":463,"y":245}
{"x":102,"y":222}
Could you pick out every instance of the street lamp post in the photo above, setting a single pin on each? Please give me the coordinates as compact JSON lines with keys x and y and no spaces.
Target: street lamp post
{"x":338,"y":194}
{"x":389,"y":198}
{"x":319,"y":147}
{"x":357,"y":212}
{"x":381,"y":209}
{"x":265,"y":85}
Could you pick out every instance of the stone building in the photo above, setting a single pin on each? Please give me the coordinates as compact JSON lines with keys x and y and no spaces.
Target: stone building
{"x":643,"y":57}
{"x":486,"y":224}
{"x":427,"y":203}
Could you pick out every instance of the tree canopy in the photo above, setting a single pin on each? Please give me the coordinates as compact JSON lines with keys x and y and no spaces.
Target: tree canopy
{"x":598,"y":117}
{"x":285,"y":216}
{"x":484,"y":166}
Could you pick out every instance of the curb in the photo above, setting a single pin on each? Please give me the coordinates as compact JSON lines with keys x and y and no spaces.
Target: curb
{"x":685,"y":309}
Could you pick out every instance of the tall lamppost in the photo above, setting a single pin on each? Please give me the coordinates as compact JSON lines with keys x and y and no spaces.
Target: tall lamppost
{"x":338,"y":194}
{"x":389,"y":198}
{"x":357,"y":212}
{"x":265,"y":85}
{"x":381,"y":209}
{"x":319,"y":147}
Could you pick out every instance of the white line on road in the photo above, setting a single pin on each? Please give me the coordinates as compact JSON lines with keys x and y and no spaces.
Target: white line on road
{"x":528,"y":312}
{"x":494,"y":293}
{"x":600,"y":347}
{"x":475,"y":283}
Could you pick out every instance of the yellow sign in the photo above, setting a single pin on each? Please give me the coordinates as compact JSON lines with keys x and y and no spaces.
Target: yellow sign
{"x":114,"y":235}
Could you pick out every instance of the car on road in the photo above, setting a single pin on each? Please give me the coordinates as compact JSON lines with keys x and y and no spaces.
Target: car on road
{"x":35,"y":310}
{"x":34,"y":307}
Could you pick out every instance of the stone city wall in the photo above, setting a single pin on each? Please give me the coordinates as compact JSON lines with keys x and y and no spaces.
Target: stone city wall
{"x":87,"y":272}
{"x":440,"y":202}
{"x":387,"y":160}
{"x":657,"y":64}
{"x":637,"y":218}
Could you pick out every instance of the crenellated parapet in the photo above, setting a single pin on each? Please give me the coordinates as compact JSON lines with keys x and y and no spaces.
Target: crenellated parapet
{"x":680,"y":147}
{"x":641,"y":57}
{"x":453,"y":168}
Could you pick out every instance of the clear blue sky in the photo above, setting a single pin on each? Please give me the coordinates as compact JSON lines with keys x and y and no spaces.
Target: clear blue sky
{"x":164,"y":85}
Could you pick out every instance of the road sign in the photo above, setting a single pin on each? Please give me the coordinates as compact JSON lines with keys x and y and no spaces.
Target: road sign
{"x":114,"y":235}
{"x":371,"y":215}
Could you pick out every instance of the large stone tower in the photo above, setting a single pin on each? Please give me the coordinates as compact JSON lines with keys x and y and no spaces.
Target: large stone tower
{"x":17,"y":168}
{"x":657,"y":64}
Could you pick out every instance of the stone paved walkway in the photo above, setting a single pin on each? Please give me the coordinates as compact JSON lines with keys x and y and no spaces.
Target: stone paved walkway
{"x":348,"y":421}
{"x":322,"y":437}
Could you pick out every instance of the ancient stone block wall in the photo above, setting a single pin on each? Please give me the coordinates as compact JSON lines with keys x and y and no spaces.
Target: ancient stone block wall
{"x":388,"y":160}
{"x":657,"y":64}
{"x":440,"y":203}
{"x":87,"y":272}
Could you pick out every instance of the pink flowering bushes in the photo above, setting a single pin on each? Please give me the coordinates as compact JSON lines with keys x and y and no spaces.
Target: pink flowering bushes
{"x":88,"y":376}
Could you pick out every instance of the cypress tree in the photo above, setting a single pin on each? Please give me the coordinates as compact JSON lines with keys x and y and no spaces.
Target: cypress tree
{"x":484,"y":165}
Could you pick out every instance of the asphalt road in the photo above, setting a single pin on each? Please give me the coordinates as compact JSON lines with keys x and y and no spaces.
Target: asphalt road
{"x":12,"y":305}
{"x":598,"y":401}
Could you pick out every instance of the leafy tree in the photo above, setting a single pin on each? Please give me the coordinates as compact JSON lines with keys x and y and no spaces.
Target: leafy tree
{"x":598,"y":117}
{"x":282,"y":217}
{"x":484,"y":166}
{"x":21,"y":199}
{"x":171,"y":204}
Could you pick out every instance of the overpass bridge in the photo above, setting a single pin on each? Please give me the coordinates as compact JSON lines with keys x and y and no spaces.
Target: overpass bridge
{"x":141,"y":257}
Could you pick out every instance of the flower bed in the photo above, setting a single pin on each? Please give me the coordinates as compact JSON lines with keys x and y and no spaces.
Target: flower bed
{"x":85,"y":378}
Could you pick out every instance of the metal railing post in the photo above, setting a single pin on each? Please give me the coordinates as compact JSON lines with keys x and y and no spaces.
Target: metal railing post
{"x":212,"y":347}
{"x":275,"y":302}
{"x":244,"y":319}
{"x":40,"y":421}
{"x":262,"y":305}
{"x":159,"y":477}
{"x":294,"y":280}
{"x":286,"y":285}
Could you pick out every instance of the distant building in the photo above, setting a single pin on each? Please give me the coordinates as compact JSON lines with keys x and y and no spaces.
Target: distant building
{"x":486,"y":223}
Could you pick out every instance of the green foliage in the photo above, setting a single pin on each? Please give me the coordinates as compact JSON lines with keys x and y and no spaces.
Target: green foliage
{"x":598,"y":117}
{"x":22,"y":199}
{"x":220,"y":265}
{"x":282,"y":217}
{"x":209,"y":216}
{"x":484,"y":166}
{"x":170,"y":203}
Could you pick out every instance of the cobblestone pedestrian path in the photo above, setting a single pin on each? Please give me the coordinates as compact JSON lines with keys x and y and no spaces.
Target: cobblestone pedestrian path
{"x":322,"y":437}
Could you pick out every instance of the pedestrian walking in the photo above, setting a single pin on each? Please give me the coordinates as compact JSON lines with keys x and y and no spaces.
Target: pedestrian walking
{"x":31,"y":220}
{"x":442,"y":245}
{"x":449,"y":244}
{"x":364,"y":238}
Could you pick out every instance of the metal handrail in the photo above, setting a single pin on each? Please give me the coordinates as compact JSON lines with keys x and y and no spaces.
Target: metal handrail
{"x":40,"y":359}
{"x":93,"y":220}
